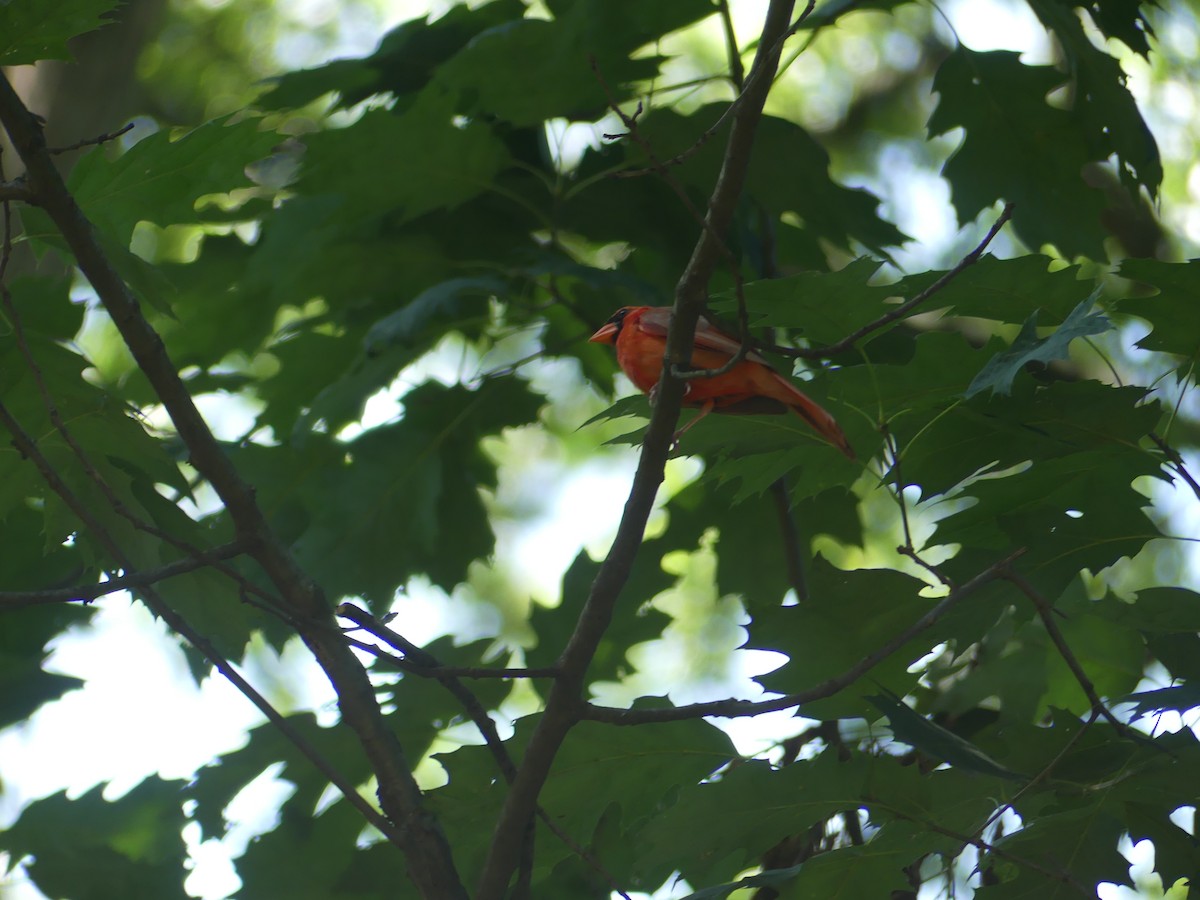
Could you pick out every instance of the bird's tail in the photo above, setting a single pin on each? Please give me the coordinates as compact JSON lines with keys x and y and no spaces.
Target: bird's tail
{"x":822,"y":423}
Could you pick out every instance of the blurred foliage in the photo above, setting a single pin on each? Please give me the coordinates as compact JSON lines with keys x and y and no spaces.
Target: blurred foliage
{"x":433,"y":228}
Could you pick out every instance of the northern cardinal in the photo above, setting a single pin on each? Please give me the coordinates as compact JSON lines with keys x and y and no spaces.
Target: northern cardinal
{"x":750,"y":387}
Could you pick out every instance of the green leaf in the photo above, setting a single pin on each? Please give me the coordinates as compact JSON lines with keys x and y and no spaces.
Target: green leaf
{"x":640,"y":768}
{"x":757,"y":806}
{"x":311,"y":856}
{"x":993,"y":432}
{"x":790,"y":172}
{"x":29,"y":34}
{"x":45,"y":307}
{"x":1107,"y":113}
{"x":405,"y":60}
{"x":1125,"y":22}
{"x":1081,"y":840}
{"x":848,"y":616}
{"x":1028,"y":350}
{"x":878,"y":865}
{"x":1018,"y":148}
{"x":566,"y":61}
{"x":823,"y":307}
{"x":930,"y":738}
{"x":92,"y":849}
{"x":433,"y":163}
{"x":31,"y":563}
{"x":423,"y":707}
{"x":1005,"y":290}
{"x":221,"y":781}
{"x":431,"y":311}
{"x":160,"y":178}
{"x":1171,"y":310}
{"x":400,"y":499}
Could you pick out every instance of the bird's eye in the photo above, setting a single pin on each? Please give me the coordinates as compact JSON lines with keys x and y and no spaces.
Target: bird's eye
{"x":618,"y":318}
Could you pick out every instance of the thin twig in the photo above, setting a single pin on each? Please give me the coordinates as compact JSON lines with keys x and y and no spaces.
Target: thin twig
{"x":1040,"y":776}
{"x":86,"y":593}
{"x":424,"y":659}
{"x":907,"y":549}
{"x":737,"y":73}
{"x":1045,"y":613}
{"x":1060,"y":876}
{"x":730,"y":110}
{"x":1176,"y":460}
{"x":683,"y":371}
{"x":904,"y":308}
{"x":478,"y":672}
{"x":88,"y":142}
{"x":826,"y":688}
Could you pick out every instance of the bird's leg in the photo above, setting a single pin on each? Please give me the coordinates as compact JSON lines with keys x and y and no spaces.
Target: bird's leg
{"x":704,"y":411}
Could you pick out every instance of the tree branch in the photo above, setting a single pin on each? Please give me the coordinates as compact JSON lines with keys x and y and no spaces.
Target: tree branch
{"x":564,"y":703}
{"x":1045,"y":612}
{"x":827,"y":688}
{"x":904,"y":308}
{"x":789,"y":534}
{"x":98,"y":139}
{"x":431,"y":862}
{"x":1174,"y":457}
{"x":85,"y":593}
{"x":16,"y":190}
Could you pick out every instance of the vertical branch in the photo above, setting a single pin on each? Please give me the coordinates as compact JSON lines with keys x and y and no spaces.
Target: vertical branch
{"x":793,"y":549}
{"x":565,"y":702}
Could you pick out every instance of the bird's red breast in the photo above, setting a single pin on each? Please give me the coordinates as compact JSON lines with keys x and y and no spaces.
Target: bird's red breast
{"x":752,"y":386}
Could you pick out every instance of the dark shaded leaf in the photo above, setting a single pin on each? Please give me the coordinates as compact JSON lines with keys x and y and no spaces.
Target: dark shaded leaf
{"x":1018,"y":148}
{"x":92,"y":849}
{"x":28,"y":34}
{"x":930,"y":738}
{"x":1171,"y":311}
{"x":1107,"y":112}
{"x":441,"y":164}
{"x":160,"y":178}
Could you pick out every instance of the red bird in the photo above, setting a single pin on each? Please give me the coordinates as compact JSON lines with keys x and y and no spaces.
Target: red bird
{"x":750,"y":387}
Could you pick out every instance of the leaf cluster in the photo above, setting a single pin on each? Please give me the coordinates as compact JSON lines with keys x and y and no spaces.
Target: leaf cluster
{"x":429,"y":216}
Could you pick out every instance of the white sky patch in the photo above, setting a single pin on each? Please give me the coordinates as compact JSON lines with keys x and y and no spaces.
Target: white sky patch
{"x":582,"y":511}
{"x":139,"y":712}
{"x":998,"y":25}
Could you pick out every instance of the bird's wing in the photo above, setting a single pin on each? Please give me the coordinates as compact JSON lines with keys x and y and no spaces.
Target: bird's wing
{"x":656,"y":319}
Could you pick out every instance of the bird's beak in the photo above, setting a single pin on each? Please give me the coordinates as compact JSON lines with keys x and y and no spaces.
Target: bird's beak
{"x":606,"y":335}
